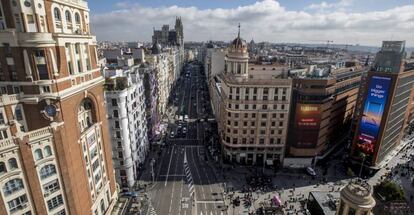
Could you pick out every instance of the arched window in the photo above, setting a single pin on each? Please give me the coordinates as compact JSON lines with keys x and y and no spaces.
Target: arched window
{"x":38,"y":154}
{"x":68,"y":16}
{"x":47,"y":171}
{"x":13,"y":186}
{"x":77,"y":18}
{"x":48,"y":151}
{"x":56,"y":13}
{"x":3,"y":168}
{"x":85,"y":117}
{"x":238,"y":68}
{"x":12,"y":163}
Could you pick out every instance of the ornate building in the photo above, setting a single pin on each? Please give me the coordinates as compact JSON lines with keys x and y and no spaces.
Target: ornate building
{"x":251,"y":105}
{"x":55,"y":152}
{"x":356,"y":198}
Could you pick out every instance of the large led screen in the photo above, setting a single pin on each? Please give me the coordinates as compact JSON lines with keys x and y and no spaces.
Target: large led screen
{"x":373,"y":110}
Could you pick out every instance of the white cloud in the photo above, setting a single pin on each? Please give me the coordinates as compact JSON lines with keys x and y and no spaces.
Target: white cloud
{"x":266,"y":20}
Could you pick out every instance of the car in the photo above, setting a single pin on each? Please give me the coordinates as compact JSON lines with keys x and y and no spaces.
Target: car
{"x":186,"y":118}
{"x":172,"y":134}
{"x":180,"y":118}
{"x":184,"y":130}
{"x":310,"y":171}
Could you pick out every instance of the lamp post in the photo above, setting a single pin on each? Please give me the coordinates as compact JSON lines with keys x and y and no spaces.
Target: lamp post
{"x":363,"y":156}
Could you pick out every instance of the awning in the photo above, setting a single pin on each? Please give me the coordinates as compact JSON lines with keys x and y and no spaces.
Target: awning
{"x":269,"y":162}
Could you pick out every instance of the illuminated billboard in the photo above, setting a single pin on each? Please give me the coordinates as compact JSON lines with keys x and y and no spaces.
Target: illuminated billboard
{"x":308,"y":116}
{"x":308,"y":119}
{"x":374,"y":106}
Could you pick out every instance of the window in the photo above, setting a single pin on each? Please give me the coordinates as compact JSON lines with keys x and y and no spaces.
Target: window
{"x":19,"y":115}
{"x":51,"y":187}
{"x":264,"y":115}
{"x":3,"y":168}
{"x":48,"y":151}
{"x":102,"y":206}
{"x":68,"y":16}
{"x":56,"y":13}
{"x":38,"y":154}
{"x":1,"y":118}
{"x":261,"y":141}
{"x":77,"y":18}
{"x":12,"y":186}
{"x":280,"y":123}
{"x":62,"y":212}
{"x":116,"y":124}
{"x":18,"y":203}
{"x":3,"y":134}
{"x":115,"y":113}
{"x":55,"y":202}
{"x":47,"y":171}
{"x":12,"y":163}
{"x":114,"y":102}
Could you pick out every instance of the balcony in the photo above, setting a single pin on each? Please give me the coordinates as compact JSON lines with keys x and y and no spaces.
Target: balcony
{"x":7,"y":144}
{"x":34,"y":38}
{"x":39,"y":134}
{"x":9,"y":99}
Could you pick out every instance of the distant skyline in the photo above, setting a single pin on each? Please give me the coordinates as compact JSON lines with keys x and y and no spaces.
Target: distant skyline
{"x":344,"y":21}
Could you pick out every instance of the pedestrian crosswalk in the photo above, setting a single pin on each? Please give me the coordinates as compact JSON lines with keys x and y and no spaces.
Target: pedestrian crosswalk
{"x":151,"y":209}
{"x":189,"y":177}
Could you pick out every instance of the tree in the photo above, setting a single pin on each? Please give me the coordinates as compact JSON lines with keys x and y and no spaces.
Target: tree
{"x":389,"y":191}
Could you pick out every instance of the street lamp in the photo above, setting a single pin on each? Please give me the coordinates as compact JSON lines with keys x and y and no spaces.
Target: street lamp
{"x":363,"y":156}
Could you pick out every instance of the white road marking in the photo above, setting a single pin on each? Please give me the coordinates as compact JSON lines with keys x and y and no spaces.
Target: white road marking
{"x":209,"y":202}
{"x":169,"y":165}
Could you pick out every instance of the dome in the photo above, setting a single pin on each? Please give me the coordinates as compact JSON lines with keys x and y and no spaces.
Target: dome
{"x":156,"y":48}
{"x":239,"y":43}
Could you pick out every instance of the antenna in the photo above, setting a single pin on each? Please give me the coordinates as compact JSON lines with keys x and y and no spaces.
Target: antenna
{"x":239,"y":30}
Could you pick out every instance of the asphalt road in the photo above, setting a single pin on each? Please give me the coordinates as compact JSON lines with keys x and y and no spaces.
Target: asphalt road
{"x":186,"y":183}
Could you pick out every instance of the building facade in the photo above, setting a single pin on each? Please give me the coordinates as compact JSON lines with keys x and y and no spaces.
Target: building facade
{"x":251,"y":105}
{"x":323,"y":104}
{"x":54,"y":128}
{"x":125,"y":103}
{"x":386,"y":106}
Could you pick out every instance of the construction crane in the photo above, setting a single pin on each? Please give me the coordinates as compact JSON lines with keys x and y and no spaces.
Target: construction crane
{"x":328,"y":42}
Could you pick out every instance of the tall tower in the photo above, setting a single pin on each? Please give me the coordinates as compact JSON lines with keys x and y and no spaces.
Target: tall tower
{"x":386,"y":106}
{"x":179,"y":30}
{"x":237,"y":58}
{"x":55,"y":153}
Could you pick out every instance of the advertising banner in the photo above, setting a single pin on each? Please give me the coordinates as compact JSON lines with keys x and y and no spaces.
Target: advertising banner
{"x":374,"y":106}
{"x":308,"y":116}
{"x":308,"y":119}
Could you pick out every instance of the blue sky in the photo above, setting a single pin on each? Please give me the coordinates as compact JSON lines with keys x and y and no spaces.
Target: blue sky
{"x":362,"y":5}
{"x":365,"y":22}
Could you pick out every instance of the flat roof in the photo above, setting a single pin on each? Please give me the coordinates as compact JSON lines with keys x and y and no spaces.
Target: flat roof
{"x":325,"y":201}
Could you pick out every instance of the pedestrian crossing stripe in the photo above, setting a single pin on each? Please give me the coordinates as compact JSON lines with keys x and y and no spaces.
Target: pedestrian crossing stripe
{"x":152,"y":210}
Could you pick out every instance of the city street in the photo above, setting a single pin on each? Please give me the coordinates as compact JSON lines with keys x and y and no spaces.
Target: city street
{"x":186,"y":181}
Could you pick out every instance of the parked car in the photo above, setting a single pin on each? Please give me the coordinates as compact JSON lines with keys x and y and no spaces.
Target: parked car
{"x":310,"y":171}
{"x":186,"y":118}
{"x":172,"y":134}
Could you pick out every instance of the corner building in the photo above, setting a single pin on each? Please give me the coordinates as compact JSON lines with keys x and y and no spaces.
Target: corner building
{"x":251,"y":105}
{"x":386,"y":106}
{"x":55,"y":152}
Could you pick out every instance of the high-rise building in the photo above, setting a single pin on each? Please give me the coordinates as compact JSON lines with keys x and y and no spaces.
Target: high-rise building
{"x":55,"y":151}
{"x":323,"y":104}
{"x":251,"y":104}
{"x":386,"y":106}
{"x":125,"y":103}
